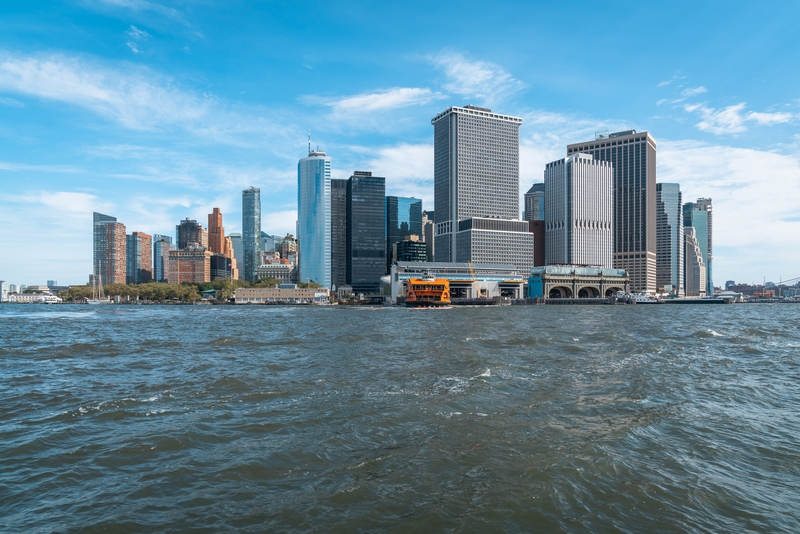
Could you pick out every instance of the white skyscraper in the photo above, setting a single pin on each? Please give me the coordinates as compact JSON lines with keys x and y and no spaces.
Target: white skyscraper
{"x":695,"y":266}
{"x":579,"y":209}
{"x":476,"y":175}
{"x":314,"y":217}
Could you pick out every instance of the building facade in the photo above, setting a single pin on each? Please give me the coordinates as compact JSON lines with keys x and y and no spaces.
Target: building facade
{"x":476,"y":171}
{"x":698,"y":215}
{"x":139,"y":258}
{"x":579,"y":210}
{"x":314,"y":217}
{"x":190,"y":232}
{"x":695,"y":276}
{"x":534,"y":203}
{"x":191,"y":264}
{"x":109,"y":249}
{"x":488,"y":240}
{"x":366,"y":245}
{"x":633,"y":157}
{"x":251,"y":232}
{"x":216,"y":232}
{"x":409,"y":250}
{"x":669,"y":239}
{"x":162,"y":244}
{"x":338,"y":233}
{"x":428,"y":232}
{"x":403,"y":216}
{"x":568,"y":281}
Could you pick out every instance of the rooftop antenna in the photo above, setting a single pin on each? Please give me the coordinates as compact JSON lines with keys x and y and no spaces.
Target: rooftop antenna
{"x":309,"y":140}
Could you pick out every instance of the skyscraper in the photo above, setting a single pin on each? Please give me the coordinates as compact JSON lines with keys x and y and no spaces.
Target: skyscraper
{"x":109,"y":245}
{"x":314,"y":217}
{"x":695,"y":266}
{"x":338,"y":232}
{"x":669,"y":239}
{"x":476,"y":175}
{"x":190,"y":231}
{"x":579,"y":207}
{"x":139,"y":255}
{"x":633,"y":156}
{"x":534,"y":203}
{"x":699,"y":216}
{"x":403,"y":216}
{"x":162,"y":244}
{"x":238,"y":250}
{"x":216,"y":232}
{"x":366,"y":245}
{"x":251,"y":231}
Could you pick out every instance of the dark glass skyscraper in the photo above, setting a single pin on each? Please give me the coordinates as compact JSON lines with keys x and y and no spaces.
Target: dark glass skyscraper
{"x":338,"y":232}
{"x":633,"y":156}
{"x":669,"y":239}
{"x":366,"y":246}
{"x":162,"y":244}
{"x":403,"y":218}
{"x":251,"y":231}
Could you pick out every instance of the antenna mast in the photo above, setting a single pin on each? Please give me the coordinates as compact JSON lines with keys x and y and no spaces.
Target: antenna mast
{"x":309,"y":141}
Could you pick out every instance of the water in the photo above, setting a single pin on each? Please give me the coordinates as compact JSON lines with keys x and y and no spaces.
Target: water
{"x":547,"y":418}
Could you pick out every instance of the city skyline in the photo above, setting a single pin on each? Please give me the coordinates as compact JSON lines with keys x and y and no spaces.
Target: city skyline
{"x":205,"y":126}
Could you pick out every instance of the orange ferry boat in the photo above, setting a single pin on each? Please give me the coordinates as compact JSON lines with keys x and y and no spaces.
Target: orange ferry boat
{"x":427,"y":292}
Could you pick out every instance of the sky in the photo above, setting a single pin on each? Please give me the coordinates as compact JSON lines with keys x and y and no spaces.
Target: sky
{"x":154,"y":110}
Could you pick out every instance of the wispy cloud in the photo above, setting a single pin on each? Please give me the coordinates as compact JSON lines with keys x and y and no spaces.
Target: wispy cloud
{"x":136,"y":33}
{"x":473,"y":78}
{"x":133,"y":47}
{"x":675,"y":77}
{"x":731,"y":119}
{"x":10,"y":102}
{"x":693,"y":91}
{"x":144,"y":5}
{"x":397,"y":97}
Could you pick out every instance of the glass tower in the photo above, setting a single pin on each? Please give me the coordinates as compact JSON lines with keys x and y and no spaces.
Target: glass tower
{"x":534,"y":203}
{"x":669,"y":239}
{"x":698,"y":216}
{"x":314,"y":217}
{"x":366,"y":244}
{"x":162,"y":244}
{"x":338,"y":232}
{"x":403,"y":218}
{"x":251,"y":231}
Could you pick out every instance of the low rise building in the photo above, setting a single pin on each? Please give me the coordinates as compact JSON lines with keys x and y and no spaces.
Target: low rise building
{"x":192,"y":264}
{"x":467,"y":280}
{"x":568,"y":281}
{"x":282,"y":295}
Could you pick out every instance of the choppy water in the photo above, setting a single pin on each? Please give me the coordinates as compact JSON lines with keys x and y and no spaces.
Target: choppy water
{"x":207,"y":419}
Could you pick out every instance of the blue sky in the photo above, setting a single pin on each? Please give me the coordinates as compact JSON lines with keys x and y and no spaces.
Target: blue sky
{"x":153,"y":111}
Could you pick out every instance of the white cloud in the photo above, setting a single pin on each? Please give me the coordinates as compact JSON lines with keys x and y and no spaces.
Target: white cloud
{"x":746,"y":219}
{"x":692,"y":91}
{"x":479,"y":79}
{"x":279,"y":222}
{"x":144,"y":5}
{"x":10,"y":102}
{"x":398,"y":97}
{"x":133,"y":47}
{"x":408,"y":169}
{"x":136,"y":33}
{"x":731,"y":120}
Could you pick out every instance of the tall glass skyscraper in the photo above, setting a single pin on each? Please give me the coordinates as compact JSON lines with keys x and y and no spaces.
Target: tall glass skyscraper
{"x":669,"y":239}
{"x":534,"y":203}
{"x":698,"y":215}
{"x":366,"y":244}
{"x":403,"y":218}
{"x":338,"y":232}
{"x":251,"y":231}
{"x":314,"y":217}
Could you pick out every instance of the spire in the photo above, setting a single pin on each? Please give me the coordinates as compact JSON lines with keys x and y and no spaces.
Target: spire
{"x":309,"y":141}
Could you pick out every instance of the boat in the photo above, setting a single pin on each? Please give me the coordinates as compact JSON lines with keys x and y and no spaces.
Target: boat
{"x":428,"y":292}
{"x":98,"y":297}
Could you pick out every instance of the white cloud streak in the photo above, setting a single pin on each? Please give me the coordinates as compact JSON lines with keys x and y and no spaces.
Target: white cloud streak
{"x":731,"y":119}
{"x":398,"y":97}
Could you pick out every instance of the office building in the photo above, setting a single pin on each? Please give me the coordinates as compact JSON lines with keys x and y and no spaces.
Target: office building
{"x":403,"y":216}
{"x":220,"y":267}
{"x":139,"y":258}
{"x":579,"y":204}
{"x":238,"y":250}
{"x":366,"y":246}
{"x":3,"y":290}
{"x":537,"y":229}
{"x":314,"y":217}
{"x":633,"y":157}
{"x":699,"y":216}
{"x":162,"y":244}
{"x":190,"y":232}
{"x":534,"y":203}
{"x":428,"y":232}
{"x":338,"y":233}
{"x":109,"y":244}
{"x":216,"y":232}
{"x":695,"y":275}
{"x":409,"y":250}
{"x":251,"y":232}
{"x":287,"y":247}
{"x":489,"y":240}
{"x":669,"y":239}
{"x":190,"y":264}
{"x":267,"y":242}
{"x":476,"y":172}
{"x":231,"y":254}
